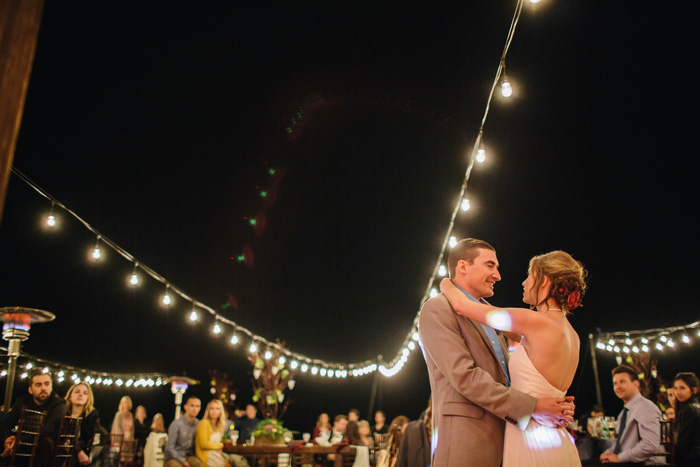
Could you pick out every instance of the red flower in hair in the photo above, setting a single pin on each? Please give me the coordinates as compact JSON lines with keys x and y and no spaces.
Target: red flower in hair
{"x":573,"y":299}
{"x":562,"y":291}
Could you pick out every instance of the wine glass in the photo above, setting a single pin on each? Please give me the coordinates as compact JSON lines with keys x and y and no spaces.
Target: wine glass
{"x":287,"y":436}
{"x":306,"y":437}
{"x":234,"y":436}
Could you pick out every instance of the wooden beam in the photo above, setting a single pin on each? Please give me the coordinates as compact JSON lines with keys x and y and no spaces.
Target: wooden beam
{"x":19,"y":30}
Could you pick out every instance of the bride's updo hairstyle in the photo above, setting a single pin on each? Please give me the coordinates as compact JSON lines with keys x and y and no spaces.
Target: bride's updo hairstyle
{"x":568,"y":277}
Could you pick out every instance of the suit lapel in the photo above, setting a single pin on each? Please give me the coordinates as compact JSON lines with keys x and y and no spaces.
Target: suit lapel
{"x":480,"y":330}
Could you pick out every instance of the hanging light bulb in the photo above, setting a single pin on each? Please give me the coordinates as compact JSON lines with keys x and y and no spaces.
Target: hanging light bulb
{"x":253,"y":348}
{"x":480,"y":155}
{"x":267,"y":355}
{"x":465,"y":205}
{"x":452,"y":241}
{"x":50,"y":220}
{"x":433,"y":292}
{"x":234,"y":339}
{"x":134,"y":278}
{"x":506,"y":88}
{"x":442,"y":271}
{"x":166,"y":299}
{"x":216,"y":329}
{"x":96,"y":252}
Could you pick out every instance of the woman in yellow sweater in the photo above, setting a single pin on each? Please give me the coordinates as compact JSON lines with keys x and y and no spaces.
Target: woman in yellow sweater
{"x":208,"y":445}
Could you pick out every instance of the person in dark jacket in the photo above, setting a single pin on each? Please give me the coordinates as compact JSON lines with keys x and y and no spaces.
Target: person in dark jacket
{"x":80,"y":403}
{"x":247,"y":424}
{"x":42,"y":399}
{"x":687,"y":451}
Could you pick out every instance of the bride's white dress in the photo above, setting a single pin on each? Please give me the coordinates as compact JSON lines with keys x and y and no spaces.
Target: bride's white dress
{"x":537,"y":445}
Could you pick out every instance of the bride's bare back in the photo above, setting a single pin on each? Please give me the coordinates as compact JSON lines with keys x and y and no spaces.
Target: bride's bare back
{"x":553,"y":347}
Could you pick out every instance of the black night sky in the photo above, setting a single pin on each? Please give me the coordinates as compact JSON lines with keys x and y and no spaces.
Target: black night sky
{"x":158,"y":124}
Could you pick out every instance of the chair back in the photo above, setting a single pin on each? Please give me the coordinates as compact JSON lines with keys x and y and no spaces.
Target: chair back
{"x":381,"y":441}
{"x":128,"y":452}
{"x":160,"y":452}
{"x":27,"y":437}
{"x":68,"y":436}
{"x":667,"y":440}
{"x":111,"y":449}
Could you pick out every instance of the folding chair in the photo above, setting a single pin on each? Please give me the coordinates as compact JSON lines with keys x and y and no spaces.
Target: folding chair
{"x":68,"y":435}
{"x":128,"y":452}
{"x":27,"y":437}
{"x":111,"y":451}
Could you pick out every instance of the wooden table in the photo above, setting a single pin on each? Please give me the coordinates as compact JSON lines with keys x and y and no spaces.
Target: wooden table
{"x":267,"y":454}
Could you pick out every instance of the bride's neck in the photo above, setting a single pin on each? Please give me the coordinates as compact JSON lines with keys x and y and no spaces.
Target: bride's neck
{"x":548,"y":305}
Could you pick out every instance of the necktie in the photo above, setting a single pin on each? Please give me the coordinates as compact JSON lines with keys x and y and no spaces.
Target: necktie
{"x":623,"y":422}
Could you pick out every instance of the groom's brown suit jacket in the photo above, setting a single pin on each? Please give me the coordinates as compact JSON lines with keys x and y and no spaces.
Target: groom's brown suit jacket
{"x":470,"y":400}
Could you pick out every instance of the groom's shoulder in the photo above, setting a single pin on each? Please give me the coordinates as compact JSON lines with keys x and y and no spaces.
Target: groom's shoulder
{"x":436,"y":306}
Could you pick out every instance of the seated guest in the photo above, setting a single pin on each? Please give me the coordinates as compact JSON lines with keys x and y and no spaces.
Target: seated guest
{"x":41,"y":398}
{"x":354,"y":415}
{"x":687,"y":451}
{"x":638,"y":425}
{"x":141,"y":430}
{"x":156,"y":438}
{"x":322,"y":426}
{"x":158,"y":424}
{"x":179,"y":450}
{"x":80,"y":403}
{"x":352,"y":433}
{"x":596,"y":411}
{"x":380,"y":423}
{"x":209,"y":435}
{"x":670,"y":413}
{"x":208,"y":439}
{"x":247,"y":424}
{"x":354,"y":438}
{"x":415,"y":442}
{"x":340,"y":423}
{"x":123,"y":423}
{"x":365,"y":432}
{"x":396,"y":430}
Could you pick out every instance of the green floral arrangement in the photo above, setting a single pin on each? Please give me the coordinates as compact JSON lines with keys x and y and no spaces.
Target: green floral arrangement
{"x":270,"y":428}
{"x":227,"y":434}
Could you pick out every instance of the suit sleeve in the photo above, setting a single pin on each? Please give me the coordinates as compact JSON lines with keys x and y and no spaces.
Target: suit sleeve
{"x":443,"y":341}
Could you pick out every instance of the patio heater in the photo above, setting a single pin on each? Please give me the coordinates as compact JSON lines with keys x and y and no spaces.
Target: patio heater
{"x":15,"y":329}
{"x":179,"y":385}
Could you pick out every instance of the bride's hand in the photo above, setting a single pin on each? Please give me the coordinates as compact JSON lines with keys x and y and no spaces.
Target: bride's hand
{"x":445,"y":285}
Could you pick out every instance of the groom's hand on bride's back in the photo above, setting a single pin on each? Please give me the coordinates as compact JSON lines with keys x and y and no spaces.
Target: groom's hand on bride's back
{"x":554,"y":411}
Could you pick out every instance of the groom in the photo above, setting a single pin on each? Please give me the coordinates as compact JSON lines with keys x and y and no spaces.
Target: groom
{"x":467,"y":365}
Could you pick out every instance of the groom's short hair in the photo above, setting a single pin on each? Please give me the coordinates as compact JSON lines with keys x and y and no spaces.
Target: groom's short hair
{"x":467,"y":250}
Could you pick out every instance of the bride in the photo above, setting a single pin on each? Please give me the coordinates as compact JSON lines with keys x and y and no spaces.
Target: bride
{"x":544,"y":364}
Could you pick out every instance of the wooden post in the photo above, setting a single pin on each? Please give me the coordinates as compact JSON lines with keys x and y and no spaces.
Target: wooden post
{"x":594,"y":363}
{"x":19,"y":29}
